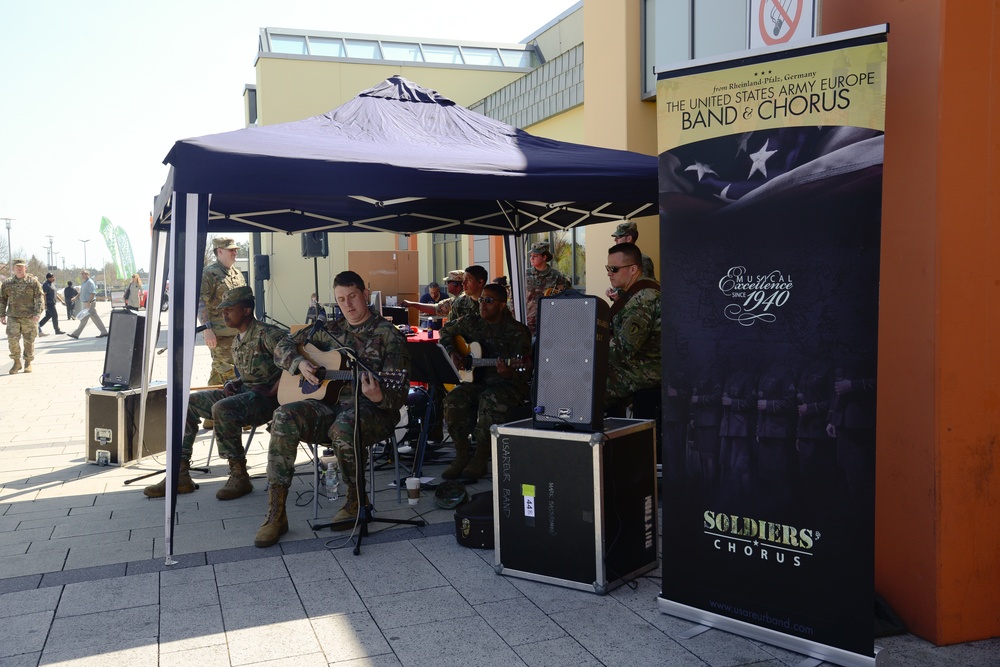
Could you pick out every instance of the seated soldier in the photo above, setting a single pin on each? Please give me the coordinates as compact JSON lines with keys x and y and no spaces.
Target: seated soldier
{"x":351,"y":427}
{"x":474,"y":277}
{"x":471,"y":408}
{"x":634,"y":354}
{"x":249,"y":399}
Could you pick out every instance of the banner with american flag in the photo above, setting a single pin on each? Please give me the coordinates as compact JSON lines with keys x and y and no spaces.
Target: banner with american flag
{"x":770,"y":204}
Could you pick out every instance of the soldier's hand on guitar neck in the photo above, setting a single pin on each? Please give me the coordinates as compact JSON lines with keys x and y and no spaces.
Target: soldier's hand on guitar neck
{"x":371,"y":388}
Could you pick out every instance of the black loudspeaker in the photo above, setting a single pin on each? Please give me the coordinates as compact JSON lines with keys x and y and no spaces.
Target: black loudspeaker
{"x":262,"y":267}
{"x":571,"y":362}
{"x":314,"y":244}
{"x":123,"y":356}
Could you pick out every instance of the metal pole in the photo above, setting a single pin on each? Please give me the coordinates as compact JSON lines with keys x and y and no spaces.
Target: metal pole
{"x":84,"y":242}
{"x":9,"y":249}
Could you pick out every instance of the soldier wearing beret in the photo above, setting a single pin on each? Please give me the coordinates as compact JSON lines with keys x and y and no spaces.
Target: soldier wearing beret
{"x":20,"y":308}
{"x":249,"y":400}
{"x":541,"y":279}
{"x":216,"y":280}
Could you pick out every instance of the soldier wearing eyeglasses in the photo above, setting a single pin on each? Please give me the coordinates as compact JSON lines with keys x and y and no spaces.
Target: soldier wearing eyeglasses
{"x":634,"y":356}
{"x":471,"y":408}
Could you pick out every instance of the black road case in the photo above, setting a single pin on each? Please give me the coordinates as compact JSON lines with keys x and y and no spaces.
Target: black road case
{"x":575,"y":509}
{"x":113,"y":424}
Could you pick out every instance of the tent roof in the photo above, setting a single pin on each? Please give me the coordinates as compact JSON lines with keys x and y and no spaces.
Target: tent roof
{"x":402,"y":158}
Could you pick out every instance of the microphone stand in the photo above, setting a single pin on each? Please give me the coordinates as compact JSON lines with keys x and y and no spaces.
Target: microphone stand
{"x":366,"y":510}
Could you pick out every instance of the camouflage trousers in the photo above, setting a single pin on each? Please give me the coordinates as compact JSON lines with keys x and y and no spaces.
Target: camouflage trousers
{"x":473,"y":408}
{"x":623,"y":381}
{"x":222,"y":361}
{"x":21,"y":327}
{"x":315,"y":421}
{"x":230,"y":414}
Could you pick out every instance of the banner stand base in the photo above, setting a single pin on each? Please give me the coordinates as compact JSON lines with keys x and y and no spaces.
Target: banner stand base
{"x":805,"y":647}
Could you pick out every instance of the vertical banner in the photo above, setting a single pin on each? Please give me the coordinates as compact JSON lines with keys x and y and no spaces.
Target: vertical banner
{"x":770,"y":204}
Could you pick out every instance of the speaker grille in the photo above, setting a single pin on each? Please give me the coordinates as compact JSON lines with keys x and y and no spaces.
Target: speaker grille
{"x":123,"y":356}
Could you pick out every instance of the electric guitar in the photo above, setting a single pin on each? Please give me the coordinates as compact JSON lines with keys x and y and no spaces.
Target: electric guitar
{"x":333,"y":375}
{"x":472,"y":358}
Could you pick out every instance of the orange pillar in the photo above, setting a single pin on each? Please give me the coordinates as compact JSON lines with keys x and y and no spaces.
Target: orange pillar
{"x":938,"y":485}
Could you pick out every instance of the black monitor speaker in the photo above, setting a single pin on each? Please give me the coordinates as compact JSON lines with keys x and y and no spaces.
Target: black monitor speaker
{"x":123,"y":356}
{"x":571,"y":362}
{"x":262,"y":267}
{"x":315,"y":244}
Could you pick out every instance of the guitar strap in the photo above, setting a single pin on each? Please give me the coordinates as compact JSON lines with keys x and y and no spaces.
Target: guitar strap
{"x":636,"y":287}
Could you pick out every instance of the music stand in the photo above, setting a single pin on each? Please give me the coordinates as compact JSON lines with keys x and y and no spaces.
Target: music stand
{"x":431,"y":364}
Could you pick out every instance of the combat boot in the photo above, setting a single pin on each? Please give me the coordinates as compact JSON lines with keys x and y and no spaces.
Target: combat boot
{"x":238,"y":484}
{"x":276,"y":523}
{"x":462,"y":459}
{"x":480,"y":461}
{"x":348,"y":514}
{"x":184,"y":483}
{"x":16,"y":368}
{"x":27,"y":366}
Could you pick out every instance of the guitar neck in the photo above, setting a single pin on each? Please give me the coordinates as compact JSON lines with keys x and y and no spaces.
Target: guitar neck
{"x":489,"y":362}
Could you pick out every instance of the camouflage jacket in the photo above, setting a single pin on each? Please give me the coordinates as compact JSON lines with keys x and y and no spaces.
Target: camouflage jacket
{"x":458,"y":306}
{"x":507,"y":339}
{"x":21,"y":297}
{"x":253,"y":354}
{"x":648,"y":270}
{"x":377,"y":343}
{"x":216,"y":280}
{"x":635,"y":338}
{"x":539,"y":284}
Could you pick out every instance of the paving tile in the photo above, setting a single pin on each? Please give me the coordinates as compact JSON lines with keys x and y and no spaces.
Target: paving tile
{"x":25,"y":564}
{"x":562,"y":652}
{"x":345,"y":637}
{"x":448,"y":644}
{"x":380,"y":570}
{"x":24,"y":633}
{"x":551,"y":598}
{"x":126,"y":653}
{"x":23,"y":660}
{"x":313,"y":566}
{"x":273,"y":640}
{"x":101,"y":632}
{"x":261,"y":570}
{"x":17,"y":584}
{"x":29,"y":602}
{"x":415,"y":607}
{"x":184,"y":629}
{"x":216,"y":655}
{"x":101,"y":554}
{"x":16,"y":549}
{"x":109,"y":595}
{"x":159,"y":564}
{"x":189,"y":595}
{"x":466,"y":570}
{"x":26,"y":535}
{"x":79,"y":541}
{"x":519,"y":621}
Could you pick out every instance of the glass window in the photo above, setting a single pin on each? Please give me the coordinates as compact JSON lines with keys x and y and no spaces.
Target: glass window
{"x":291,"y":44}
{"x":475,"y":55}
{"x":481,"y":253}
{"x":569,"y":252}
{"x":327,"y":46}
{"x":446,"y":254}
{"x":402,"y":51}
{"x":363,"y":48}
{"x":512,"y":58}
{"x":439,"y":53}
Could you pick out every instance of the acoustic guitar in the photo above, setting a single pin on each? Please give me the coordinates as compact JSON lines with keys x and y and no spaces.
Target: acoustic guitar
{"x":472,"y":358}
{"x":333,"y":375}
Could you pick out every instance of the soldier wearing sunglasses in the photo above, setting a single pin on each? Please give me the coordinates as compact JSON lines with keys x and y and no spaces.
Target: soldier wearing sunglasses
{"x":471,"y":408}
{"x":634,"y":356}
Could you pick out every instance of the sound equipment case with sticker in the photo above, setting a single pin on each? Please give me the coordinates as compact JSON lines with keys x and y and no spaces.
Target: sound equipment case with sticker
{"x":113,"y":423}
{"x":575,"y":509}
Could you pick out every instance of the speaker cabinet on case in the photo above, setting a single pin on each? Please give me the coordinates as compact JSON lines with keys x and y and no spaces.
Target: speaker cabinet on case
{"x":123,"y":356}
{"x":571,"y":362}
{"x":315,"y":244}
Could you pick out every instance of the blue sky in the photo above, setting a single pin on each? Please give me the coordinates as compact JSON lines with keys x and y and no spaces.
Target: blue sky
{"x":94,"y":93}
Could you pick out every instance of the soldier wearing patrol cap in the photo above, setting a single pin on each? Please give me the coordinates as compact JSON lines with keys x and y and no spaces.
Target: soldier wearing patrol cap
{"x":628,"y":232}
{"x":249,"y":400}
{"x":541,"y":280}
{"x":20,"y":308}
{"x":216,"y":280}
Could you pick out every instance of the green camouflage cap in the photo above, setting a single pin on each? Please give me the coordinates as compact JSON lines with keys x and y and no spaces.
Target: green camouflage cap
{"x":625,"y":228}
{"x":455,"y":276}
{"x":540,"y":248}
{"x":450,"y":494}
{"x":237,"y":295}
{"x":18,"y":262}
{"x":224,"y":243}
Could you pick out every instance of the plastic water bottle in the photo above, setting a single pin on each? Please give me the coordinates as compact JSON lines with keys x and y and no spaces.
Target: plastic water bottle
{"x":332,"y":482}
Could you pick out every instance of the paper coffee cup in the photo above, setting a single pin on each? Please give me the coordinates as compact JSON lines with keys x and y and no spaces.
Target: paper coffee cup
{"x":413,"y":489}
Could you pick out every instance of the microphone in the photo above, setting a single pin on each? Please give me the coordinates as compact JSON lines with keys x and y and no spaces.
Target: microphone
{"x":201,"y":327}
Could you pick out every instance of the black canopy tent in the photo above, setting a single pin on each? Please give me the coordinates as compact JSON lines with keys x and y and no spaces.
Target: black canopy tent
{"x":397,"y":158}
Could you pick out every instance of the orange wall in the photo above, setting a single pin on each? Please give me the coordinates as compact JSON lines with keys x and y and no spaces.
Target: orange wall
{"x":938,"y":504}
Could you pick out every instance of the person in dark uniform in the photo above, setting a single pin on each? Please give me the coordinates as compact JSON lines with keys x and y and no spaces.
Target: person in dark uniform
{"x":817,"y":451}
{"x":706,"y":417}
{"x":852,"y":423}
{"x":775,"y":436}
{"x":51,"y":295}
{"x":736,"y":430}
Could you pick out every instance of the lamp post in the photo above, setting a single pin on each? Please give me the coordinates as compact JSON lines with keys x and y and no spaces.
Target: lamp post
{"x":9,"y":249}
{"x":84,"y":242}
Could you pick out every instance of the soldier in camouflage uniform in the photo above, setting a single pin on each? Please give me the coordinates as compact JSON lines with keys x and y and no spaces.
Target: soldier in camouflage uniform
{"x":474,"y":407}
{"x":248,"y":400}
{"x":634,"y":355}
{"x":21,"y":305}
{"x":216,"y":280}
{"x":381,"y":348}
{"x":541,"y":280}
{"x":443,"y":306}
{"x":628,"y":232}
